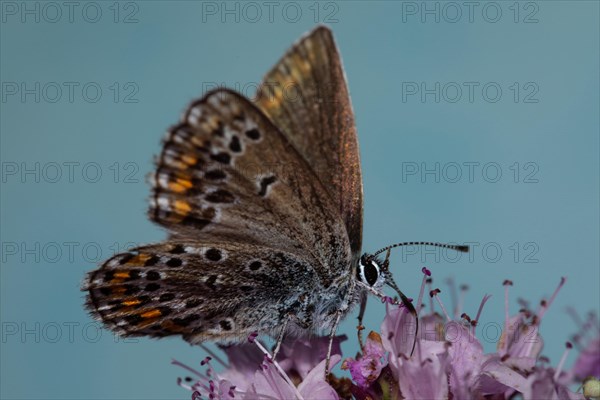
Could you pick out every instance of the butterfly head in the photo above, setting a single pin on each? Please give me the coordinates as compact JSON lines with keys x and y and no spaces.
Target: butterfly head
{"x":371,"y":271}
{"x":375,"y":273}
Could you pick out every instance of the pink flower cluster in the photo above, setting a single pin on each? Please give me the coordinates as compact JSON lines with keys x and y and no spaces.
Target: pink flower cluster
{"x":448,"y":361}
{"x":251,"y":374}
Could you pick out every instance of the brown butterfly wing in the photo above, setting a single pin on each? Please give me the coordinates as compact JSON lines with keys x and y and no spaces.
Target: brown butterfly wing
{"x":307,"y":98}
{"x":203,"y":291}
{"x":227,"y":173}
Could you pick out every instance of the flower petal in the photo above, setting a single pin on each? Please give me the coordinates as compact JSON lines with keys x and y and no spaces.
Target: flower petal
{"x":423,"y":380}
{"x":499,"y":373}
{"x":466,"y":358}
{"x":268,"y":382}
{"x":314,"y":385}
{"x":398,"y":330}
{"x":588,"y":362}
{"x":300,"y":356}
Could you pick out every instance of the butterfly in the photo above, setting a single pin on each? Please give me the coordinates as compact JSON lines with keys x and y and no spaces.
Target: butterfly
{"x":263,"y":203}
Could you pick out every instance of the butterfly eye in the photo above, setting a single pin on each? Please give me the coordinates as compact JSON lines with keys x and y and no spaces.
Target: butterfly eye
{"x":368,"y":271}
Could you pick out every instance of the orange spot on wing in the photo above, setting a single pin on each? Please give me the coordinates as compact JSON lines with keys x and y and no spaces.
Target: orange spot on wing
{"x":121,"y":275}
{"x":131,"y":302}
{"x":176,"y":187}
{"x":213,"y":122}
{"x":196,"y":141}
{"x":185,"y":182}
{"x":180,"y":185}
{"x":151,"y":314}
{"x":178,"y":165}
{"x":190,"y":160}
{"x":139,"y":260}
{"x":182,"y":207}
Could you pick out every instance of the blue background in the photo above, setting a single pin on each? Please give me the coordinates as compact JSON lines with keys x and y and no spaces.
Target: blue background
{"x":176,"y":50}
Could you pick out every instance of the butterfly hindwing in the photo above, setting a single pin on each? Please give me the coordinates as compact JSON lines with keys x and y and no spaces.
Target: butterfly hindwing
{"x":219,"y":290}
{"x":306,"y":96}
{"x":226,"y":172}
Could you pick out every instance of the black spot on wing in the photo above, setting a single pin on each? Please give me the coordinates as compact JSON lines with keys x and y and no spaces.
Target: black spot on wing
{"x":131,"y":289}
{"x":215,"y":175}
{"x":174,"y":262}
{"x":192,"y":303}
{"x":220,"y":196}
{"x":133,"y":318}
{"x":213,"y":254}
{"x":265,"y":183}
{"x":253,"y":134}
{"x":226,"y":325}
{"x":151,"y":287}
{"x":222,"y":157}
{"x":210,"y":282}
{"x":151,"y":261}
{"x":255,"y":266}
{"x":198,"y":223}
{"x":152,"y":276}
{"x":178,"y":249}
{"x":235,"y":144}
{"x":164,"y":311}
{"x":166,"y":297}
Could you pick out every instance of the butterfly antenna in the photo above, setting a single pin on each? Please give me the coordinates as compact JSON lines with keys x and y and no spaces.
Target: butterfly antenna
{"x":409,"y":306}
{"x":461,"y":248}
{"x":390,"y":280}
{"x":407,"y":303}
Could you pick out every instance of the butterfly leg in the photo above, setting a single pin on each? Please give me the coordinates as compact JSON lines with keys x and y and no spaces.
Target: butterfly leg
{"x":338,"y":317}
{"x":361,"y":314}
{"x":280,"y":337}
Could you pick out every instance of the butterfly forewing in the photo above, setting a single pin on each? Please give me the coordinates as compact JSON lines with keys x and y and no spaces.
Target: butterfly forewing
{"x":307,"y":98}
{"x":210,"y":291}
{"x":227,"y":172}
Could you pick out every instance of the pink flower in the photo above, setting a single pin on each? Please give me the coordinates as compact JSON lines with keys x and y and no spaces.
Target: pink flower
{"x":257,"y":376}
{"x":449,"y":360}
{"x":521,"y":337}
{"x":243,"y":360}
{"x":424,"y":377}
{"x":298,"y":356}
{"x":588,"y":362}
{"x":466,"y":359}
{"x":367,"y":368}
{"x":269,"y":383}
{"x":544,"y":383}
